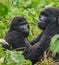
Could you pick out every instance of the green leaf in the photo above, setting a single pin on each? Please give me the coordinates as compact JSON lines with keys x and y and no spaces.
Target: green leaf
{"x":14,"y":57}
{"x":3,"y":41}
{"x":3,"y":9}
{"x":54,"y":44}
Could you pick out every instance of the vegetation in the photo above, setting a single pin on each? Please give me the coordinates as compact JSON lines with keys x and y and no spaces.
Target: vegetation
{"x":30,"y":9}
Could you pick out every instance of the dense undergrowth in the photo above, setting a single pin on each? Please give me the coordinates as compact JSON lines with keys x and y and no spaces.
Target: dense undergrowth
{"x":30,"y":9}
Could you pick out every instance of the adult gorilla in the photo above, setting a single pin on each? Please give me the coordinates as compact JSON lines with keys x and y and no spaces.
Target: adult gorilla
{"x":44,"y":18}
{"x":49,"y":22}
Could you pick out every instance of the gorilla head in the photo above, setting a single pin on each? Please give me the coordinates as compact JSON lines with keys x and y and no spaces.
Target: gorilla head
{"x":20,"y":24}
{"x":48,"y":16}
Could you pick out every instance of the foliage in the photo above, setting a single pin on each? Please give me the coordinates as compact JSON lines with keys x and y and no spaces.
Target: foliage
{"x":12,"y":57}
{"x":54,"y":45}
{"x":27,"y":8}
{"x":46,"y":60}
{"x":30,"y":9}
{"x":3,"y":10}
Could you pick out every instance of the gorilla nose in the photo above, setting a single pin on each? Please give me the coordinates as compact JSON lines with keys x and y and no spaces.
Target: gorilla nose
{"x":41,"y":23}
{"x":26,"y":29}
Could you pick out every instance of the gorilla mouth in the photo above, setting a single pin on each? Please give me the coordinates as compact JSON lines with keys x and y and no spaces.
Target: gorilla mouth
{"x":42,"y":26}
{"x":25,"y":34}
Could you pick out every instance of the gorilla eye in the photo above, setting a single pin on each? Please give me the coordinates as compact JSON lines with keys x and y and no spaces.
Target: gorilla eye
{"x":44,"y":14}
{"x":23,"y":22}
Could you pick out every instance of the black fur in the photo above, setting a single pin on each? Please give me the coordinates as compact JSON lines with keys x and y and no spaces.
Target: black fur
{"x":49,"y":22}
{"x":17,"y":35}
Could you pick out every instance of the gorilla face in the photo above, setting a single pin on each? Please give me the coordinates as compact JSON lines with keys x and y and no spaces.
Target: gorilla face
{"x":20,"y":25}
{"x":24,"y":28}
{"x":46,"y":16}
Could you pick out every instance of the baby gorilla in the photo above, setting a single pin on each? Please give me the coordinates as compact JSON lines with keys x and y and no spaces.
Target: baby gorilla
{"x":17,"y":34}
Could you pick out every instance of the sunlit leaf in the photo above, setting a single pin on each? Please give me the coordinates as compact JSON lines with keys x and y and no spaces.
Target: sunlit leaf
{"x":54,"y":45}
{"x":3,"y":41}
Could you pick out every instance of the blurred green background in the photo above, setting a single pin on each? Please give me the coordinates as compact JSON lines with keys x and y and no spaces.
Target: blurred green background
{"x":30,"y":9}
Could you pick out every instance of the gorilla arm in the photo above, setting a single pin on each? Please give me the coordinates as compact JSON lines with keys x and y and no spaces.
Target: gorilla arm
{"x":34,"y":52}
{"x":37,"y":39}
